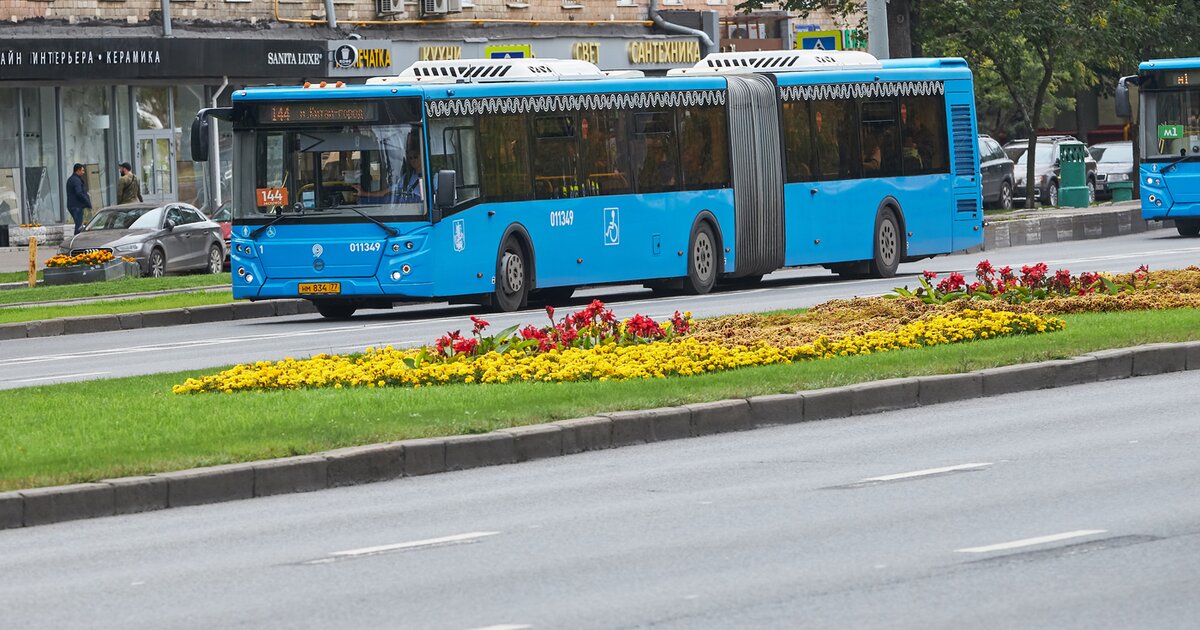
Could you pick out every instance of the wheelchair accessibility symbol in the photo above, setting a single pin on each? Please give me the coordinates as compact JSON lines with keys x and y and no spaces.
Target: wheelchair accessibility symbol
{"x":612,"y":226}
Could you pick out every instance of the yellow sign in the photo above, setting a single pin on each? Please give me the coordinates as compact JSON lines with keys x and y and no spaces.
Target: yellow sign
{"x":374,"y":58}
{"x":664,"y":52}
{"x":819,"y":40}
{"x":439,"y":53}
{"x":586,"y":51}
{"x":510,"y":51}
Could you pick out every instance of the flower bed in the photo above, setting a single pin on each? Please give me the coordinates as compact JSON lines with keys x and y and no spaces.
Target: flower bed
{"x":635,"y":348}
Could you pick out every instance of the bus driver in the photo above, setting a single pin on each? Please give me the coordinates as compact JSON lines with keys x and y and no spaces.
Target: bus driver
{"x":406,"y":185}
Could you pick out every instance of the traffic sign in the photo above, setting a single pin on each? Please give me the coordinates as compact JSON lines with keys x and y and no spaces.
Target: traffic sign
{"x":819,"y":40}
{"x":511,"y":51}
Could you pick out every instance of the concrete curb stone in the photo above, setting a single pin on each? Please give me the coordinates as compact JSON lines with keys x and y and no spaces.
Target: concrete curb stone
{"x":252,"y":310}
{"x":943,"y":388}
{"x":363,"y":464}
{"x":474,"y":451}
{"x":67,"y":503}
{"x":156,"y":319}
{"x":722,"y":416}
{"x":630,"y":427}
{"x":593,"y":433}
{"x":90,"y":323}
{"x":885,"y":395}
{"x":214,"y":484}
{"x":1193,"y":355}
{"x":1158,"y":358}
{"x":828,"y":403}
{"x":12,"y":510}
{"x":776,"y":409}
{"x":669,"y":423}
{"x":1075,"y":371}
{"x":304,"y":473}
{"x":424,"y":456}
{"x":1113,"y":364}
{"x":536,"y":441}
{"x":130,"y":321}
{"x":14,"y":331}
{"x":138,"y":494}
{"x":45,"y":328}
{"x":211,"y":313}
{"x":1017,"y":378}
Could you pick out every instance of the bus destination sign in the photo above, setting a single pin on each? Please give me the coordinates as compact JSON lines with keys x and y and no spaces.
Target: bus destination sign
{"x":318,"y":112}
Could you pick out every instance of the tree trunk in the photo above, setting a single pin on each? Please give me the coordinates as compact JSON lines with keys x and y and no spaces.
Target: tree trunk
{"x":900,"y":41}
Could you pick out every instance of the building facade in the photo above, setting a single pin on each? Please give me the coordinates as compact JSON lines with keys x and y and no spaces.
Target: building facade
{"x":101,"y":82}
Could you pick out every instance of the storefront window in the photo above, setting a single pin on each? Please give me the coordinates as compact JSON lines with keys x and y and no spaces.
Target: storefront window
{"x":43,"y":182}
{"x":86,"y":137}
{"x":10,"y":169}
{"x":193,"y":186}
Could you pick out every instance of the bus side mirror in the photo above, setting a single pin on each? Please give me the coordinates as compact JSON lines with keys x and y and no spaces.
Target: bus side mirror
{"x":1124,"y":109}
{"x":200,"y":138}
{"x":446,"y":190}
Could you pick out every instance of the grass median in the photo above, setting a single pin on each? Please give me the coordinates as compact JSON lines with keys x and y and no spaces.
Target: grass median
{"x":113,"y":287}
{"x":113,"y":307}
{"x":136,"y":425}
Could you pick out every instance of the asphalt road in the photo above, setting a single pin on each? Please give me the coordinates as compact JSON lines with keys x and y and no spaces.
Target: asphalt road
{"x":1068,"y":508}
{"x":46,"y":360}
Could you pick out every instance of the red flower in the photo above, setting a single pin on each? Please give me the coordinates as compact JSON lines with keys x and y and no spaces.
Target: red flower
{"x":550,"y":312}
{"x":465,"y":346}
{"x":929,"y":275}
{"x":953,"y":283}
{"x":479,"y":325}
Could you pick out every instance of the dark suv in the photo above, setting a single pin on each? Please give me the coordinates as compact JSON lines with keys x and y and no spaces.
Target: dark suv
{"x":996,"y":174}
{"x":1046,"y":170}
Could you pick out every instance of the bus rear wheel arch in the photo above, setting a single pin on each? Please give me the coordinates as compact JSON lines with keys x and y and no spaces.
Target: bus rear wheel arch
{"x":1188,"y":227}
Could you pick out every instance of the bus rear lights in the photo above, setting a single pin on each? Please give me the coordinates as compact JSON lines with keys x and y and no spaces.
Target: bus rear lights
{"x":406,"y":269}
{"x":241,"y":271}
{"x":395,"y":275}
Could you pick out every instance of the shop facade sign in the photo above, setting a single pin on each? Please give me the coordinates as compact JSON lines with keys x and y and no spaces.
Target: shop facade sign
{"x":363,"y":58}
{"x":156,"y":58}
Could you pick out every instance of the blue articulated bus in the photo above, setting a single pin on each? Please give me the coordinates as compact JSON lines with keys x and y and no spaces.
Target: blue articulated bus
{"x":1168,"y":139}
{"x":503,"y":181}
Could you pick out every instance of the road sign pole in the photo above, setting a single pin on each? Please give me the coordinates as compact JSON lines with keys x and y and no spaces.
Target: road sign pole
{"x":877,"y":33}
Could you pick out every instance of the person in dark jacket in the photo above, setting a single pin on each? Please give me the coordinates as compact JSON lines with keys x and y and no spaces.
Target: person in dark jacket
{"x":78,"y":199}
{"x":129,"y":189}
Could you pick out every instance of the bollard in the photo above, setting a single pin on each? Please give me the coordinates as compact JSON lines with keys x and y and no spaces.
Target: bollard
{"x":32,"y":261}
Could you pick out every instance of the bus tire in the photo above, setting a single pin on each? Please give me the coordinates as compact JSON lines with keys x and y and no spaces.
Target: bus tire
{"x":887,"y":248}
{"x":512,"y":277}
{"x":334,"y":309}
{"x":702,"y":260}
{"x":1189,"y":227}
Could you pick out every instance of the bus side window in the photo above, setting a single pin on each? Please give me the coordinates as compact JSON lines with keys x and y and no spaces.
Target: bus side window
{"x":654,"y":152}
{"x":880,"y":140}
{"x":923,"y":132}
{"x":605,"y":153}
{"x":798,"y":141}
{"x":452,"y":146}
{"x":504,"y":154}
{"x":835,"y":134}
{"x":556,"y":157}
{"x":704,"y":152}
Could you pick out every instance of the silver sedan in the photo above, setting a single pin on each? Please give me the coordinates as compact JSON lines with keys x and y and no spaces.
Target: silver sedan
{"x":162,"y":238}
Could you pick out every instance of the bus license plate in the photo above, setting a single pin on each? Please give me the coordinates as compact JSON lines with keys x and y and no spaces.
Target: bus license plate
{"x":320,"y":288}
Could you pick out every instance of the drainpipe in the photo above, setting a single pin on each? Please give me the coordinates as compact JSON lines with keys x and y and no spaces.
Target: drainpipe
{"x":675,"y":28}
{"x":166,"y":12}
{"x":329,"y":15}
{"x":214,"y":151}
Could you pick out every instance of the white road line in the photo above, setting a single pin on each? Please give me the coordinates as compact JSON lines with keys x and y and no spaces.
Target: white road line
{"x":50,"y":378}
{"x":456,"y":539}
{"x":1028,"y":542}
{"x":504,"y":626}
{"x":926,"y":472}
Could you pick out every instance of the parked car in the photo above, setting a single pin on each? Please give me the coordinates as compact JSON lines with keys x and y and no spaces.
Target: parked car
{"x":224,"y":218}
{"x":996,"y":174}
{"x":161,"y":237}
{"x":1114,"y":163}
{"x":1046,"y":170}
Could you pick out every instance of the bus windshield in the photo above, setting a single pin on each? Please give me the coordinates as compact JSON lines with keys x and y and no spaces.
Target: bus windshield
{"x":1172,"y":124}
{"x":339,"y":171}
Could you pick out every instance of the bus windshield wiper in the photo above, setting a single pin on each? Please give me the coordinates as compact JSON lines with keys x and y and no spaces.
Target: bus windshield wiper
{"x":1174,"y":163}
{"x":279,"y":216}
{"x":390,"y":230}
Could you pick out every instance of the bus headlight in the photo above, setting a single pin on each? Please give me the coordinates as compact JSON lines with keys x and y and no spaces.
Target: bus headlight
{"x":396,"y":276}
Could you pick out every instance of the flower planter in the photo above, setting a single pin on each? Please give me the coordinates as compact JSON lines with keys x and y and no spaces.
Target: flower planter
{"x":75,"y":274}
{"x":20,"y":236}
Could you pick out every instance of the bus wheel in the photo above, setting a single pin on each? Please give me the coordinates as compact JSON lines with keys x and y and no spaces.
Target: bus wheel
{"x":512,"y":287}
{"x":1188,"y":227}
{"x":702,"y":260}
{"x":334,"y":309}
{"x":887,"y":245}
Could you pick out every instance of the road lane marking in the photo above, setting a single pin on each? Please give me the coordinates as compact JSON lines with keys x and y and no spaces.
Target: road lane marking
{"x":64,"y":376}
{"x":505,"y":626}
{"x":1029,"y":542}
{"x":456,"y":539}
{"x":925,"y":473}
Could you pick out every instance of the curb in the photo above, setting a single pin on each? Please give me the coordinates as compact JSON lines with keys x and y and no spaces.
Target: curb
{"x":154,"y":319}
{"x":1075,"y":227}
{"x":410,"y":458}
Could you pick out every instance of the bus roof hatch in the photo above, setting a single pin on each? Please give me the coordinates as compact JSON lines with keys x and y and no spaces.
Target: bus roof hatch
{"x":780,"y":61}
{"x":493,"y":71}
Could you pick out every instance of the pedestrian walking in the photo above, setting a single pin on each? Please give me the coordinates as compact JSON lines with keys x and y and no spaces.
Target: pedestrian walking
{"x":129,"y":189}
{"x":78,"y":199}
